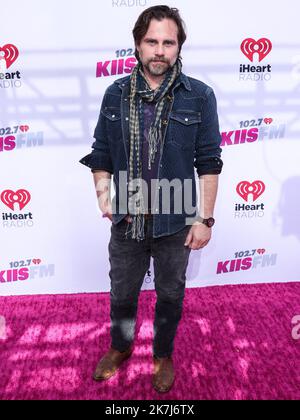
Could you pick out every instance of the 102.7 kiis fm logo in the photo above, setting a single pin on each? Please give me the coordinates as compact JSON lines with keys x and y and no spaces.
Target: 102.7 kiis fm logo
{"x":253,"y":49}
{"x":26,"y":269}
{"x":13,"y":200}
{"x":252,"y":131}
{"x":8,"y":55}
{"x":19,"y":136}
{"x":247,"y":260}
{"x":124,"y":63}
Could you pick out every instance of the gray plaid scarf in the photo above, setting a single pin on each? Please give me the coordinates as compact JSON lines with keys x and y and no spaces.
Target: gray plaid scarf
{"x":140,"y":91}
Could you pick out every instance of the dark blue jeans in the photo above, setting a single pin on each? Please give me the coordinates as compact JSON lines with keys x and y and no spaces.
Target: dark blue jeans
{"x":129,"y":262}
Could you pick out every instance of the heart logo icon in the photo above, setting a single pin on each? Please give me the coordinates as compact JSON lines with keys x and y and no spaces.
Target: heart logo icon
{"x":268,"y":120}
{"x":36,"y":261}
{"x":262,"y":47}
{"x":244,"y":188}
{"x":24,"y":128}
{"x":261,"y":251}
{"x":10,"y":198}
{"x":11,"y":53}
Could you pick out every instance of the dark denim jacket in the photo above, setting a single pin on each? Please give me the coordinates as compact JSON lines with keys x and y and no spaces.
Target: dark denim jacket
{"x":191,"y":140}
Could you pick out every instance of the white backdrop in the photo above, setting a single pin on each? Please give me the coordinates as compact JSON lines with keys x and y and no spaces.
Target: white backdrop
{"x":49,"y":104}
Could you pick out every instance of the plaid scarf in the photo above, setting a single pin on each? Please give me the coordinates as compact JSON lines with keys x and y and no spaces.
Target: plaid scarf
{"x":140,"y":91}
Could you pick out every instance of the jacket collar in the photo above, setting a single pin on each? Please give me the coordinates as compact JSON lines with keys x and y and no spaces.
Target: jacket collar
{"x":182,"y":79}
{"x":185,"y":81}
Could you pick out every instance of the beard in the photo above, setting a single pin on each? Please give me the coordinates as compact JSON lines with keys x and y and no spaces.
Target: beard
{"x":157,"y":67}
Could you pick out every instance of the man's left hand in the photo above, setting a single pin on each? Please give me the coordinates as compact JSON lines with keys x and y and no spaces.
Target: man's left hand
{"x":198,"y":236}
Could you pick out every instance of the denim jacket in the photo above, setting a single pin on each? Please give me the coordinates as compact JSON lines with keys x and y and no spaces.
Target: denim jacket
{"x":191,"y":140}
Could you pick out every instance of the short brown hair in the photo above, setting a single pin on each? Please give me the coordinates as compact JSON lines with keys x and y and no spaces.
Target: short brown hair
{"x":159,"y":13}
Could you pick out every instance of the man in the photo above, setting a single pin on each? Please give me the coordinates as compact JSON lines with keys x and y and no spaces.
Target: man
{"x":155,"y":125}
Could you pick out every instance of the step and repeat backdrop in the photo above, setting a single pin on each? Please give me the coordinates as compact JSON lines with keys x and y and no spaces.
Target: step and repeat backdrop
{"x":56,"y":60}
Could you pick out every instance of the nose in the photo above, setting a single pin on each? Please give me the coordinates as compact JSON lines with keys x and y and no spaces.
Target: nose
{"x":159,"y":50}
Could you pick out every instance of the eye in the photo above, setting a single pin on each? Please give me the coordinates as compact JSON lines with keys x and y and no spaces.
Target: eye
{"x":169,"y":43}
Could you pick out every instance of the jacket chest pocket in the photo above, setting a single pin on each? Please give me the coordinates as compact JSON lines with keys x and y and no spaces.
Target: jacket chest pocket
{"x":113,"y":123}
{"x":183,"y":128}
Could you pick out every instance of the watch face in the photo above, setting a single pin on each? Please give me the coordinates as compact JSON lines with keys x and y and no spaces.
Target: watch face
{"x":210,"y":222}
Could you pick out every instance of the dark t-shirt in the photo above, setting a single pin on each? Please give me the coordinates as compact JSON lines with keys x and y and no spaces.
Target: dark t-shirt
{"x":148,"y":174}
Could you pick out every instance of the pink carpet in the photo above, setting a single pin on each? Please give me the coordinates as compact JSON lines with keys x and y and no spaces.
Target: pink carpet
{"x":234,"y":342}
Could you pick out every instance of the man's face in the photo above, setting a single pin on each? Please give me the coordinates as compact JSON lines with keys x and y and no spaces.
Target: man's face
{"x":159,"y":48}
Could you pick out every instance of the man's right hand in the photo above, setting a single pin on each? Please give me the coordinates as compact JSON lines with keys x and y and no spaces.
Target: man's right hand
{"x":107,"y":211}
{"x":109,"y":215}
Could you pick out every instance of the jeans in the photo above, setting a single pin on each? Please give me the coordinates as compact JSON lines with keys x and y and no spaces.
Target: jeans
{"x":129,"y":262}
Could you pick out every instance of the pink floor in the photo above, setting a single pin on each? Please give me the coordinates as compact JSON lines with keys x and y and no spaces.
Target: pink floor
{"x":234,"y":342}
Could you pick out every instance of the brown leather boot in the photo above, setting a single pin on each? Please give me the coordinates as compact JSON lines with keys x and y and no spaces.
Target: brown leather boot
{"x":164,"y":374}
{"x":109,"y":364}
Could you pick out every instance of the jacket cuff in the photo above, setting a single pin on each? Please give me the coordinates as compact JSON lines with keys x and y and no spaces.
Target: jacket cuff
{"x":211,"y":166}
{"x":96,"y":161}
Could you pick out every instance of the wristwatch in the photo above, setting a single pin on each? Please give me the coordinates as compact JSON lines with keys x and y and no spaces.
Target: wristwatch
{"x":208,"y":222}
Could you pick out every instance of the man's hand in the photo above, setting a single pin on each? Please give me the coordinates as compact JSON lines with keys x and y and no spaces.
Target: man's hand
{"x":107,"y":211}
{"x":198,"y":236}
{"x":105,"y":203}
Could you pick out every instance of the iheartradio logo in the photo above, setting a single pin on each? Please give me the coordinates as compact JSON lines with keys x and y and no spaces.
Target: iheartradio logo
{"x":9,"y":53}
{"x":24,"y":128}
{"x":245,"y":188}
{"x":268,"y":121}
{"x":11,"y":198}
{"x":262,"y":47}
